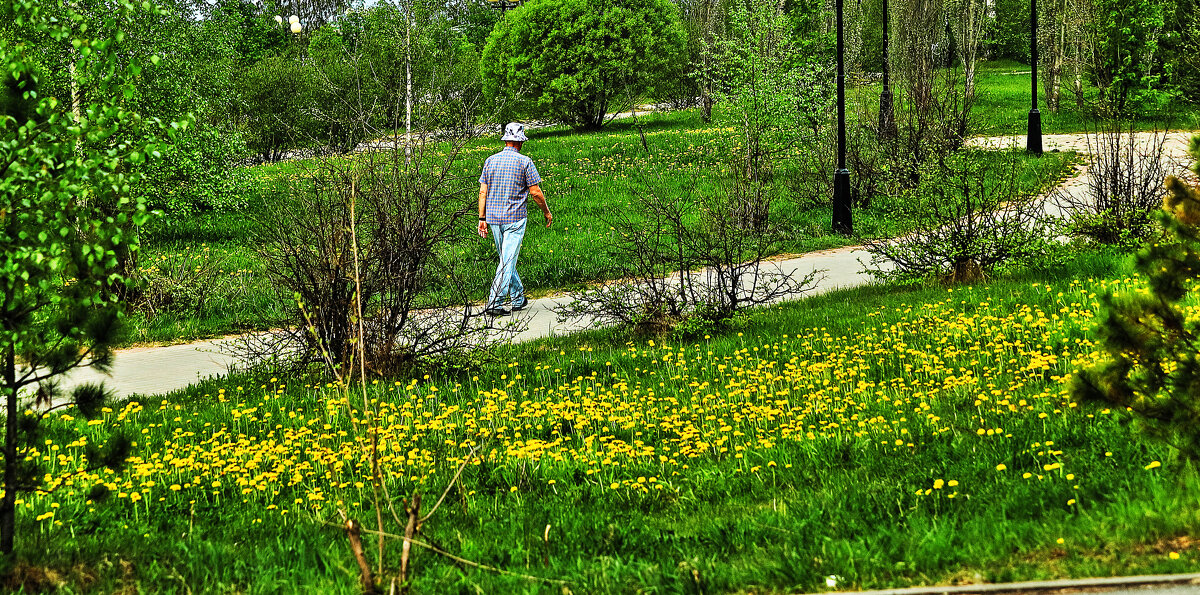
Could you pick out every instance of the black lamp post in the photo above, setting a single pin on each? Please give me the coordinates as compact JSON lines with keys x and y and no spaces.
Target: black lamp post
{"x":842,"y":221}
{"x":1033,"y":140}
{"x":887,"y":115}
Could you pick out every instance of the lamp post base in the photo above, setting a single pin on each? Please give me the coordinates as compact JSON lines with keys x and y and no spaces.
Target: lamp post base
{"x":842,"y":219}
{"x":1033,"y":139}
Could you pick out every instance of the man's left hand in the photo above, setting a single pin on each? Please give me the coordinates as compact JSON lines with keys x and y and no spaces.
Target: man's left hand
{"x":483,"y":229}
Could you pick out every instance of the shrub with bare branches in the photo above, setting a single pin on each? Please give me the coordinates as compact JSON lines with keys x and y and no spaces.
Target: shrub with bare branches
{"x":1125,"y":187}
{"x":687,"y":255}
{"x":971,"y":218}
{"x":404,"y":216}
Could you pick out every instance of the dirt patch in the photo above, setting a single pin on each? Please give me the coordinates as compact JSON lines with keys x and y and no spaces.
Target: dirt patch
{"x":31,"y":578}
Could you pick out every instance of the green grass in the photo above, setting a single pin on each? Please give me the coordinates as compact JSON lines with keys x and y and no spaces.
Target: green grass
{"x":215,"y":289}
{"x":589,"y":179}
{"x":572,"y":429}
{"x":1003,"y":103}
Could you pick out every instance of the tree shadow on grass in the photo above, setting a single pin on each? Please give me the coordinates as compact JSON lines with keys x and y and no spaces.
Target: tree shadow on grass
{"x":649,"y":123}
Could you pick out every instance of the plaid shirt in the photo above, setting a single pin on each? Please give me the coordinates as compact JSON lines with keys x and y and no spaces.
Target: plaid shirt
{"x":508,"y":175}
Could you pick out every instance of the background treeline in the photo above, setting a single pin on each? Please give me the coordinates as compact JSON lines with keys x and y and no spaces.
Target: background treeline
{"x":255,"y":90}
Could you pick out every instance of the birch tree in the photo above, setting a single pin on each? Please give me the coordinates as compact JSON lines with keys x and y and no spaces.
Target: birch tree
{"x":968,"y":21}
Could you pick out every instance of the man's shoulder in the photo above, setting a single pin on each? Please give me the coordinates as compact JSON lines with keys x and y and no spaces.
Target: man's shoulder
{"x":511,"y":157}
{"x":522,"y":158}
{"x":507,"y":159}
{"x":493,"y":160}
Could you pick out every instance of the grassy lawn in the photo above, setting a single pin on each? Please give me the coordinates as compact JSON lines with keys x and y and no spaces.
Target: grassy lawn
{"x":589,"y":179}
{"x":888,"y":437}
{"x":1003,"y":100}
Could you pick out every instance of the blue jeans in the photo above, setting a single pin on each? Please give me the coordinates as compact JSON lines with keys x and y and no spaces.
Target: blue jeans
{"x":507,"y":283}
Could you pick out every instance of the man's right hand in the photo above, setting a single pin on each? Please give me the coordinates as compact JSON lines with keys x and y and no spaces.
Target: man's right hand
{"x":483,"y":229}
{"x":549,"y":217}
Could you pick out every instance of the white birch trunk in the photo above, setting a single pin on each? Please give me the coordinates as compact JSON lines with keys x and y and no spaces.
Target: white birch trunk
{"x":408,"y":87}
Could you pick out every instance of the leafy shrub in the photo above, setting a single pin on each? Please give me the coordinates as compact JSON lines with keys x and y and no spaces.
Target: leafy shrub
{"x":275,"y":110}
{"x":198,"y":174}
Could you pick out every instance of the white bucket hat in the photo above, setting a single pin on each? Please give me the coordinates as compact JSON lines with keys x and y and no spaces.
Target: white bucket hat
{"x":515,"y":132}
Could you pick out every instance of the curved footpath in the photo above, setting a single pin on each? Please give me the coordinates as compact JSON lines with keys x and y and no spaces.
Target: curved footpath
{"x":1158,"y":584}
{"x":158,"y":370}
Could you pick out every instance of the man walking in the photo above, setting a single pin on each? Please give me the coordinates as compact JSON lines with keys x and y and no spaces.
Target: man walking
{"x":508,"y":179}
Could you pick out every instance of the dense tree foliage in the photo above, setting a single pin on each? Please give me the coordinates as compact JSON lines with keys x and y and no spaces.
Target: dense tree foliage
{"x":571,"y":60}
{"x":1126,"y":67}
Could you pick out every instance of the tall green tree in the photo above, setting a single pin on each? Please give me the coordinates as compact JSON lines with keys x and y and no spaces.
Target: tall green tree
{"x":776,"y":94}
{"x":574,"y":60}
{"x":1181,"y":47}
{"x":1009,"y":31}
{"x":67,"y":211}
{"x":1127,"y":66}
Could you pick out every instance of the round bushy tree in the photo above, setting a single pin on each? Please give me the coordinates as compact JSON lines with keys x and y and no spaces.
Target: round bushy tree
{"x":571,"y":60}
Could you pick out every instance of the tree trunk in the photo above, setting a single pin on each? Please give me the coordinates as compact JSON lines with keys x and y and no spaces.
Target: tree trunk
{"x":8,"y":505}
{"x":1053,"y":78}
{"x":706,"y":85}
{"x":408,"y":87}
{"x":1078,"y":79}
{"x":969,"y":72}
{"x":969,"y":33}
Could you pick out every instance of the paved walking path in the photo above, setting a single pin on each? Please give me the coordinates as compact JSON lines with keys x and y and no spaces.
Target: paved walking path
{"x":1160,"y":584}
{"x":157,"y":370}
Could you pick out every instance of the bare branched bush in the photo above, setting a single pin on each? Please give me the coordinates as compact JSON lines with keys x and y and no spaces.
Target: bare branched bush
{"x":686,"y":255}
{"x":871,"y":161}
{"x":932,"y":126}
{"x":1125,"y":185}
{"x":184,"y":283}
{"x":407,"y":212}
{"x":971,"y":217}
{"x":933,"y":102}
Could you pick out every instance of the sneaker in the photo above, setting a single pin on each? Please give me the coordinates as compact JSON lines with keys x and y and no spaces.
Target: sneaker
{"x":524,"y":303}
{"x":496,"y":311}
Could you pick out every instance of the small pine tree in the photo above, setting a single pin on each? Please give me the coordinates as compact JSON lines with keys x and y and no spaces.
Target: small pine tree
{"x":1152,"y":340}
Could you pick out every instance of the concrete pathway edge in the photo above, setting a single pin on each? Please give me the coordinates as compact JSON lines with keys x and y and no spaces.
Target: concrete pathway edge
{"x":1086,"y":583}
